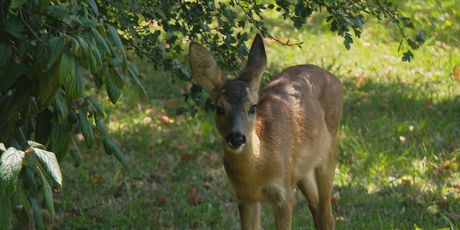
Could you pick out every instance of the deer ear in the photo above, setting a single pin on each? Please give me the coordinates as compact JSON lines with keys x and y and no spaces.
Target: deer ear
{"x":257,"y":61}
{"x":204,"y":68}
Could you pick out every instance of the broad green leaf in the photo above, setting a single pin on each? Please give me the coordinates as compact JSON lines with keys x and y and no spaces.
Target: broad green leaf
{"x":47,"y":193}
{"x":96,"y":106}
{"x":11,"y":74}
{"x":48,"y":85}
{"x":100,"y":40}
{"x":66,"y":69}
{"x":59,"y":138}
{"x":101,"y":126}
{"x":49,"y":162}
{"x":6,"y":212}
{"x":43,"y":6}
{"x":75,"y":86}
{"x":15,"y":4}
{"x":116,"y":38}
{"x":112,"y":149}
{"x":55,"y":49}
{"x":24,"y":200}
{"x":60,"y":105}
{"x":112,"y":89}
{"x":132,"y":70}
{"x":86,"y":128}
{"x":10,"y":166}
{"x":14,"y":27}
{"x":37,"y":215}
{"x":58,"y":11}
{"x":6,"y":52}
{"x":76,"y":156}
{"x":93,"y":6}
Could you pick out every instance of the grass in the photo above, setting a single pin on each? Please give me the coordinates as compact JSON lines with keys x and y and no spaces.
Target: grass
{"x":399,"y":147}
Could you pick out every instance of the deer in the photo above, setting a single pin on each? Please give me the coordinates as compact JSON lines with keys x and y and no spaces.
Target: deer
{"x":276,"y":139}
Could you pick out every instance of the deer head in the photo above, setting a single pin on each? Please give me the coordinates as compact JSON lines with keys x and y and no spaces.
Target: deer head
{"x":235,"y":98}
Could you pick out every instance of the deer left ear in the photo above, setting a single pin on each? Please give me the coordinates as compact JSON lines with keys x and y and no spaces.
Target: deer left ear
{"x":257,"y":62}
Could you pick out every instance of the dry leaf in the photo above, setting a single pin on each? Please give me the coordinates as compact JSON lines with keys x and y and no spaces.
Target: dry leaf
{"x":193,"y":196}
{"x":165,"y":120}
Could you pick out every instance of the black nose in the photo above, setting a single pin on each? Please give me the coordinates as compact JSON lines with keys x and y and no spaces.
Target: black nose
{"x":236,"y":139}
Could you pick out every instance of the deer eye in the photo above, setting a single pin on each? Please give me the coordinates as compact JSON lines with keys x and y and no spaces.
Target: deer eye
{"x":220,"y":110}
{"x":252,"y":110}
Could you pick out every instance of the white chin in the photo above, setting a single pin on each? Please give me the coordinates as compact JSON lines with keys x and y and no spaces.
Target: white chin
{"x":233,"y":149}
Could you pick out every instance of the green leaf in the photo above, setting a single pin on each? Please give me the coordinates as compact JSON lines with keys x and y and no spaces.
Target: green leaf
{"x":55,"y":49}
{"x":15,"y":4}
{"x":48,"y":194}
{"x":112,"y":89}
{"x":6,"y":52}
{"x":38,"y":220}
{"x":86,"y":128}
{"x":14,"y":27}
{"x":59,"y":138}
{"x":49,"y":162}
{"x":101,"y":126}
{"x":6,"y":212}
{"x":24,"y":200}
{"x":100,"y":40}
{"x":2,"y":148}
{"x":93,"y":6}
{"x":10,"y":166}
{"x":66,"y":69}
{"x":11,"y":74}
{"x":76,"y":88}
{"x":94,"y":103}
{"x":112,"y":149}
{"x":58,"y":11}
{"x":116,"y":38}
{"x":348,"y":40}
{"x":60,"y":105}
{"x":76,"y":156}
{"x":132,"y":70}
{"x":407,"y":56}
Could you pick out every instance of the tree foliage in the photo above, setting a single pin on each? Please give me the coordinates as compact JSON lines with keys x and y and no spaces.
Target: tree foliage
{"x":54,"y":52}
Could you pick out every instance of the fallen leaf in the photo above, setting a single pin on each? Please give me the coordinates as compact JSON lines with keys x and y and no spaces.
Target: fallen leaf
{"x":360,"y":80}
{"x":207,"y":185}
{"x":162,"y":200}
{"x":154,"y":212}
{"x":163,"y":167}
{"x":193,"y":196}
{"x":186,"y":158}
{"x":165,"y":120}
{"x":419,"y":199}
{"x":456,"y":74}
{"x":96,"y":180}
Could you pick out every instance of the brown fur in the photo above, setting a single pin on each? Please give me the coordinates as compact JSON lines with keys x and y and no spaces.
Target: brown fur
{"x":290,"y":141}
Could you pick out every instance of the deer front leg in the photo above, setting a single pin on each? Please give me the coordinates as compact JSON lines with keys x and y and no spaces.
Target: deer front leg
{"x":282,"y":201}
{"x":249,"y":215}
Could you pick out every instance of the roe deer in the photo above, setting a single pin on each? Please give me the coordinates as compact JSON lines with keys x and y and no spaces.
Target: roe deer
{"x":277,"y":138}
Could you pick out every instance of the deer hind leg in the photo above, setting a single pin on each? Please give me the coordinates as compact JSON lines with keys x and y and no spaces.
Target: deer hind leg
{"x":250,"y":215}
{"x":324,"y":174}
{"x":309,"y":189}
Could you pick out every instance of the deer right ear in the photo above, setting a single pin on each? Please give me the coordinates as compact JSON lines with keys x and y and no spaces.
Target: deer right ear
{"x":204,"y":68}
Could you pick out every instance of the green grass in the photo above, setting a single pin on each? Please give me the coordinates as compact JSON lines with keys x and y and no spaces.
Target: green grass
{"x":399,"y":147}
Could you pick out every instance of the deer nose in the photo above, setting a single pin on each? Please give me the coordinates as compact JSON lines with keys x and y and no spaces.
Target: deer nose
{"x":236,"y":139}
